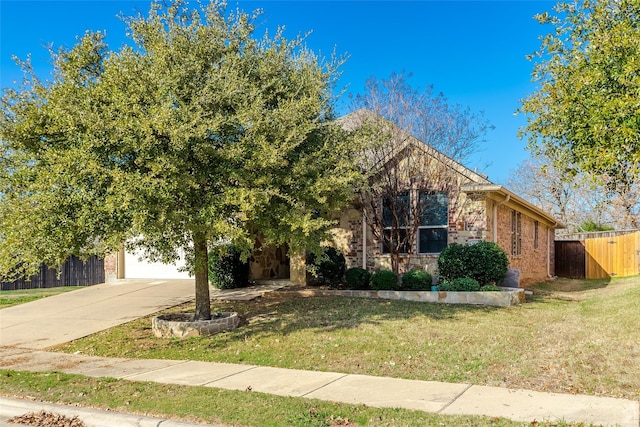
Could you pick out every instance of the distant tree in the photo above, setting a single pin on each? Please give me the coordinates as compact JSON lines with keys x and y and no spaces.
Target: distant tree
{"x":410,"y":181}
{"x":570,"y":198}
{"x":589,"y":226}
{"x":575,"y":199}
{"x":585,"y":112}
{"x":200,"y":132}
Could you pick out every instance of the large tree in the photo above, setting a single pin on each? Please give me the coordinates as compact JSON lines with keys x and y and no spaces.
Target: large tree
{"x":198,"y":132}
{"x":415,"y":139}
{"x":586,"y":111}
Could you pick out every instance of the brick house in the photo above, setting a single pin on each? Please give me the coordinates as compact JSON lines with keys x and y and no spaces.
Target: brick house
{"x":473,"y":209}
{"x":470,"y":210}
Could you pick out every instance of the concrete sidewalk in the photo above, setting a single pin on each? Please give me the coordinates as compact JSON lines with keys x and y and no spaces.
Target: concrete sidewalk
{"x":429,"y":396}
{"x":27,"y":329}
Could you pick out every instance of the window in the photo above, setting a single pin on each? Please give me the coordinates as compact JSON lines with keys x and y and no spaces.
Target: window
{"x":516,"y":233}
{"x":396,"y":214}
{"x":433,"y":229}
{"x":434,"y":223}
{"x":535,"y":235}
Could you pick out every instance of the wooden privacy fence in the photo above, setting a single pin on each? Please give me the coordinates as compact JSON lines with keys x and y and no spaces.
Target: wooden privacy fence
{"x":598,"y":258}
{"x":74,"y":272}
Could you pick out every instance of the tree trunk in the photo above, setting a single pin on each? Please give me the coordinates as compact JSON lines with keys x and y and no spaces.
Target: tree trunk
{"x":201,"y":270}
{"x":395,"y":262}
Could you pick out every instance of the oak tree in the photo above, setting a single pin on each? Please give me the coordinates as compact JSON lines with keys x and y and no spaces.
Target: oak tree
{"x":585,"y":113}
{"x":198,"y":131}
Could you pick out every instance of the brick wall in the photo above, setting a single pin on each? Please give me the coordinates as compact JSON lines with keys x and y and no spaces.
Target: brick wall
{"x":111,"y":267}
{"x":532,"y":262}
{"x":469,"y":220}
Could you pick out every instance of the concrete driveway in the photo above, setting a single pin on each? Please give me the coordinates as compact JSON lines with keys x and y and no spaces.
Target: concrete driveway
{"x":72,"y":315}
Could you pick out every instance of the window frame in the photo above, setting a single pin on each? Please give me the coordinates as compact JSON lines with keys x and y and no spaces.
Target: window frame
{"x":411,"y":195}
{"x":444,"y":226}
{"x":516,"y":233}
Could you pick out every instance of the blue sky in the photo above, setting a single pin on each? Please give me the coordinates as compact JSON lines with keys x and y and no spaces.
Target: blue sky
{"x":472,"y":51}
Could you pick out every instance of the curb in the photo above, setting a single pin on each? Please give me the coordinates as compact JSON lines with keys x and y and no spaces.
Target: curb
{"x":91,"y":417}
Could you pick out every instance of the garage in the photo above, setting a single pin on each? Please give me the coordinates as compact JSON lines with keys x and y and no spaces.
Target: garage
{"x":136,"y":266}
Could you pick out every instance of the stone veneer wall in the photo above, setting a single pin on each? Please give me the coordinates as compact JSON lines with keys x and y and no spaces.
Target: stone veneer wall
{"x":268,"y":262}
{"x":467,"y":221}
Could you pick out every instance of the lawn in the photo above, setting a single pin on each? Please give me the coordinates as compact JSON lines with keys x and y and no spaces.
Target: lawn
{"x":21,"y":296}
{"x":222,"y":407}
{"x":573,"y":337}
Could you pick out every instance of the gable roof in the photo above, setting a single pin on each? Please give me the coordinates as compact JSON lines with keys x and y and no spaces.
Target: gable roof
{"x":356,"y":119}
{"x":479,"y":185}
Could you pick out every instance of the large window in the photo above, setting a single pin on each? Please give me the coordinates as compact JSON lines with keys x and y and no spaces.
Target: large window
{"x":432,"y":232}
{"x":516,"y":233}
{"x":434,"y":223}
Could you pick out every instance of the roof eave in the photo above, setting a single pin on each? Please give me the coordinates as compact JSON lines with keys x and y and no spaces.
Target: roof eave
{"x":501,"y":194}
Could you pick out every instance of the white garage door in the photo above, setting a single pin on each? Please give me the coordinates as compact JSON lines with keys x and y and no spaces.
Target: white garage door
{"x":135,"y":268}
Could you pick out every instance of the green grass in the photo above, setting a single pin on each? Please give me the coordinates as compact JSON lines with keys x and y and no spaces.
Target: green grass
{"x":574,"y":337}
{"x":210,"y":405}
{"x":21,"y":296}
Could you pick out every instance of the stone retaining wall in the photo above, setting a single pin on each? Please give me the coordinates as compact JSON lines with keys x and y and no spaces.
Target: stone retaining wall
{"x":505,"y":298}
{"x":180,"y":325}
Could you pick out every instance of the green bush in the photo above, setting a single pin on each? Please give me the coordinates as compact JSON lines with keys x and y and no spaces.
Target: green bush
{"x":226,"y":269}
{"x":445,"y":286}
{"x":461,"y":284}
{"x":330,"y":267}
{"x":465,"y":284}
{"x":452,"y":262}
{"x":357,"y":278}
{"x":384,"y":280}
{"x":416,"y":280}
{"x":485,"y":262}
{"x":490,"y":288}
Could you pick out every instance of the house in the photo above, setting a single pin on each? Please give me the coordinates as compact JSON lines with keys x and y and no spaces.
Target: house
{"x":466,"y":208}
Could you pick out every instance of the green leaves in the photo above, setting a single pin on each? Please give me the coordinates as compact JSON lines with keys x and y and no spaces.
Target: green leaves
{"x":588,"y":102}
{"x":199,"y":128}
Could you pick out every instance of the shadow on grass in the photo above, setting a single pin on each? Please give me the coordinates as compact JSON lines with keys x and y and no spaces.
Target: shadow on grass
{"x":564,"y":289}
{"x":275,"y":316}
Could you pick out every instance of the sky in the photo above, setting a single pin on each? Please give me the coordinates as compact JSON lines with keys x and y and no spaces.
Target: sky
{"x":474,"y":52}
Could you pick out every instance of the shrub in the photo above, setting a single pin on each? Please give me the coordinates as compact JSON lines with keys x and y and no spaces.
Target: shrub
{"x":416,"y":280}
{"x":226,"y":269}
{"x":490,"y":288}
{"x":384,"y":280}
{"x":461,"y":284}
{"x":445,"y":286}
{"x":330,"y":267}
{"x":465,"y":284}
{"x":452,"y":262}
{"x":357,"y":278}
{"x":485,"y":262}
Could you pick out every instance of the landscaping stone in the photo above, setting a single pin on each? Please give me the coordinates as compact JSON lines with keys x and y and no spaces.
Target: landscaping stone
{"x":504,"y":298}
{"x":512,"y":280}
{"x":182,"y":325}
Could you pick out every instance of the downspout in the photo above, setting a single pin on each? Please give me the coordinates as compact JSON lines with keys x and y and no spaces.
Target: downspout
{"x":364,"y":241}
{"x":550,"y":233}
{"x":495,"y":217}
